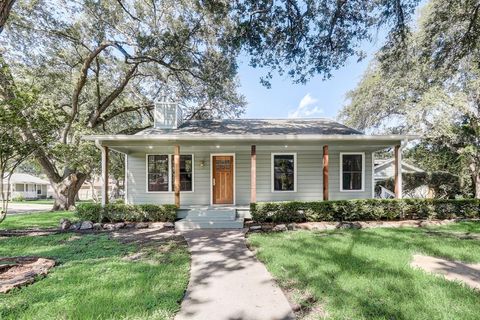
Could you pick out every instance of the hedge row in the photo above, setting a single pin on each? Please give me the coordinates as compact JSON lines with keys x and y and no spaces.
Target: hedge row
{"x":367,"y":209}
{"x":119,"y":212}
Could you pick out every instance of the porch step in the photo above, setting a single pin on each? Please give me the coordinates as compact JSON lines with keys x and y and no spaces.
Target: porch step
{"x":209,"y":219}
{"x":227,"y":214}
{"x":183,"y":225}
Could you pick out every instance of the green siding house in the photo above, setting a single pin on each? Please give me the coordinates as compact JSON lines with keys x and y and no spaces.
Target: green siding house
{"x":216,"y":168}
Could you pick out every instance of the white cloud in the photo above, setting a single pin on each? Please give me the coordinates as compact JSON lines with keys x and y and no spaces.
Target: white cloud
{"x":308,"y":107}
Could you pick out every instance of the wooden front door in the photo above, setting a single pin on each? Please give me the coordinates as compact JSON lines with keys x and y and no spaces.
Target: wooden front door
{"x":222,"y":179}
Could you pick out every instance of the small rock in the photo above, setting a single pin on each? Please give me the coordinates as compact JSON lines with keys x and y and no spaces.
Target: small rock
{"x":291,"y":226}
{"x":119,"y":225}
{"x":75,"y":226}
{"x":97,"y":226}
{"x":349,"y":225}
{"x":65,"y":224}
{"x":109,"y":226}
{"x":86,"y":225}
{"x":280,"y":227}
{"x":141,"y":225}
{"x":255,"y":228}
{"x":168,"y":225}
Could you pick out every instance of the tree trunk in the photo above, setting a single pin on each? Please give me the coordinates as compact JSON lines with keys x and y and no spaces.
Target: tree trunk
{"x":66,"y":191}
{"x":477,"y":185}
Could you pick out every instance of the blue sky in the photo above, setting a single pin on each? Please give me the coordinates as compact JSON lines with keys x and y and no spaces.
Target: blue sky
{"x":317,"y":98}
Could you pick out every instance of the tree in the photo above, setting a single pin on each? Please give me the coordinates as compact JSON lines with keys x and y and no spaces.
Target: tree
{"x":102,"y":70}
{"x":102,"y":65}
{"x":415,"y":94}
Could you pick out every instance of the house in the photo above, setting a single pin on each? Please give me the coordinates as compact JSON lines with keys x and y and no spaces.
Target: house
{"x":26,"y":186}
{"x":92,"y":189}
{"x":215,"y":167}
{"x":385,"y":169}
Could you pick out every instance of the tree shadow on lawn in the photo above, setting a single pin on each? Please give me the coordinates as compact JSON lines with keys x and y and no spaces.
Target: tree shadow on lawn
{"x":94,"y":281}
{"x":366,"y":275}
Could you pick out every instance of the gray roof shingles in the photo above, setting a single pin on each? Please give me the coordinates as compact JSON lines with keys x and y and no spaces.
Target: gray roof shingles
{"x":319,"y":126}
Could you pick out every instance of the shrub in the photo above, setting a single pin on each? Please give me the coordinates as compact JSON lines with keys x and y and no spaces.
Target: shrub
{"x":89,"y":211}
{"x":365,"y":209}
{"x":19,"y":198}
{"x":444,"y":184}
{"x":119,"y":212}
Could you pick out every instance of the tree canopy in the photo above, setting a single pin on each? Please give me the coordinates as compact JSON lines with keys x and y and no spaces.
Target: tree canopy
{"x":100,"y":65}
{"x":433,"y":90}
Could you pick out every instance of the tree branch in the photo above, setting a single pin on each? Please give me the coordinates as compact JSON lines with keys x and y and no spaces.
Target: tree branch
{"x":94,"y":116}
{"x":81,"y":83}
{"x":5,"y":8}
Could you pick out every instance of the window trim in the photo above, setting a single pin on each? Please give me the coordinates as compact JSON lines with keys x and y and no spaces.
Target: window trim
{"x":170,"y":171}
{"x":272,"y":169}
{"x":363,"y":171}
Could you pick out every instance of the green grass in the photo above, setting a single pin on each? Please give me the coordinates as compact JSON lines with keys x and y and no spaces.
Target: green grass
{"x":92,"y":281}
{"x":46,"y":201}
{"x":464,"y":226}
{"x":49,"y":219}
{"x":365,"y":274}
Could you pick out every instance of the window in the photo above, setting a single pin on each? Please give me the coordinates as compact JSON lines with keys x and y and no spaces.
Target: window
{"x":284,"y":172}
{"x":161,"y":173}
{"x":352,"y":171}
{"x":186,"y":172}
{"x":158,"y":172}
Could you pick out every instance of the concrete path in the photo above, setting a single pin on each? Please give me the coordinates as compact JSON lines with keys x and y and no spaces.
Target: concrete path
{"x":228,"y":282}
{"x":451,"y":270}
{"x":19,"y":208}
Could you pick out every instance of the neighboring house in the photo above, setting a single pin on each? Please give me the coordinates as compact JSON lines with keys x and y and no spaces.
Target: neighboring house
{"x":92,"y":190}
{"x":23,"y":185}
{"x":236,"y":162}
{"x":385,"y":169}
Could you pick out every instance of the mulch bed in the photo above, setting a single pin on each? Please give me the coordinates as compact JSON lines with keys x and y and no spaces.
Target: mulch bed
{"x":20,"y":271}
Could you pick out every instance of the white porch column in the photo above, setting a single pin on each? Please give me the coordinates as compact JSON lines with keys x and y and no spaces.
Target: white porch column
{"x":398,"y":172}
{"x":104,"y":175}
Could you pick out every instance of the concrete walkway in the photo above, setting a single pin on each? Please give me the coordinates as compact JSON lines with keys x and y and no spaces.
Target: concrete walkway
{"x":228,"y":282}
{"x":20,"y":208}
{"x":451,"y":270}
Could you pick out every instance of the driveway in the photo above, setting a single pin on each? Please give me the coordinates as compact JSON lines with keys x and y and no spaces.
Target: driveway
{"x":228,"y":282}
{"x":19,"y":208}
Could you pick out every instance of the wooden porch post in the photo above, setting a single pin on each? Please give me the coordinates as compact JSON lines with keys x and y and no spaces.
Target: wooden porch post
{"x":253,"y":174}
{"x":325,"y":172}
{"x":104,"y":176}
{"x":398,"y":172}
{"x":176,"y":165}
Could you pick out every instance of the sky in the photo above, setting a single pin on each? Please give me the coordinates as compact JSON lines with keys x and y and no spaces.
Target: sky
{"x":316,"y":98}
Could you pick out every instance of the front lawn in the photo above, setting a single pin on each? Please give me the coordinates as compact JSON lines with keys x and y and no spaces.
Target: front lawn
{"x":365,"y":274}
{"x":93,"y":280}
{"x":48,"y":219}
{"x":464,"y":226}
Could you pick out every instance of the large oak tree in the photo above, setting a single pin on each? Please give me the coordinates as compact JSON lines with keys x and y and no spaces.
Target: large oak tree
{"x":101,"y":65}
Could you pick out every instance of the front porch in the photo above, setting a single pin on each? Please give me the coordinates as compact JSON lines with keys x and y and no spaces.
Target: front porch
{"x":317,"y":172}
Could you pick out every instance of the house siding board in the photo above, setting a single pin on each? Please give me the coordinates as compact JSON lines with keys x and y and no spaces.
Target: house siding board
{"x":309,"y":175}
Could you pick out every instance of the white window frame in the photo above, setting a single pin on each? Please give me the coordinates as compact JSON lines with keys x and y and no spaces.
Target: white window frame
{"x":363,"y":171}
{"x":272,"y":171}
{"x":170,"y":171}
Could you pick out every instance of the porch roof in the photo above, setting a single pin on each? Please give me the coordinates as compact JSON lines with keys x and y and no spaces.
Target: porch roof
{"x":250,"y":131}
